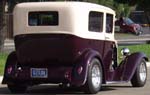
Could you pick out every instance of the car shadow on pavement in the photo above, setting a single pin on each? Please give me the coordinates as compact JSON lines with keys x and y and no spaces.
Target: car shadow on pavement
{"x":117,"y":86}
{"x":114,"y":87}
{"x":46,"y":89}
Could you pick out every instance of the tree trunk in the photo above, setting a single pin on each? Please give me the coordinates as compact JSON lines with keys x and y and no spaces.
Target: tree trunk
{"x":2,"y":23}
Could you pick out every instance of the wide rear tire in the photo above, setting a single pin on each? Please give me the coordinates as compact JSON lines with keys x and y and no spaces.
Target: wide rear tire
{"x":94,"y":77}
{"x":140,"y":75}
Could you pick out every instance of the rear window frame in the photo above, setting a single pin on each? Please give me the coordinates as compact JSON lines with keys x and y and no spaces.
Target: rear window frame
{"x":39,"y":17}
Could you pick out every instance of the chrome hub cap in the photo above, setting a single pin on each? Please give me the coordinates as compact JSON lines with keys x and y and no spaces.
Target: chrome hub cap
{"x":96,"y":76}
{"x":143,"y":72}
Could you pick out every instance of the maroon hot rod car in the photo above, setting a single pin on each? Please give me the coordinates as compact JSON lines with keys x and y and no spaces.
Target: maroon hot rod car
{"x":68,"y":43}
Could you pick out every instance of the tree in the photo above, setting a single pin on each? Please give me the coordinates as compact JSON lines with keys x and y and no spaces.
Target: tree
{"x":121,"y":8}
{"x":141,"y":5}
{"x":2,"y":23}
{"x":130,"y":2}
{"x":12,"y":3}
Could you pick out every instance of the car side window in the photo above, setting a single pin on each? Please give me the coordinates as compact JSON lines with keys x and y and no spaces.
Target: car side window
{"x":109,"y":23}
{"x":95,"y":21}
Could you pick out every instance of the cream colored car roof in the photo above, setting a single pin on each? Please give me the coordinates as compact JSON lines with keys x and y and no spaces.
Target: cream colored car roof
{"x":73,"y":18}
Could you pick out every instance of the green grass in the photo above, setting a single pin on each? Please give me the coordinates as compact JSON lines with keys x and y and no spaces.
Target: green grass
{"x":133,"y":48}
{"x":3,"y":57}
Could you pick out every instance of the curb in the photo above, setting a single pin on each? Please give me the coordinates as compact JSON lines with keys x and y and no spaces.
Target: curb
{"x":1,"y":77}
{"x":148,"y":64}
{"x":9,"y":44}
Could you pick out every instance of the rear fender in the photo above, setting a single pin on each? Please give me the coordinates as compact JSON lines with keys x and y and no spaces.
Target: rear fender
{"x":11,"y":62}
{"x":131,"y":64}
{"x":79,"y":76}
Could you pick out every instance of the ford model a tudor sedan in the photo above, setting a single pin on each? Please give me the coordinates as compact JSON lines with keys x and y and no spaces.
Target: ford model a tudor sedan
{"x":68,"y":43}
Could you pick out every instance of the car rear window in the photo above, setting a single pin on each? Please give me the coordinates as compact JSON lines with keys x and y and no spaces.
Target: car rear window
{"x":46,"y":18}
{"x":95,"y":21}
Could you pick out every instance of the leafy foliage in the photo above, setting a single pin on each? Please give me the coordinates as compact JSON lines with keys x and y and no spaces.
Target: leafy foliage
{"x":119,"y":6}
{"x":122,"y":1}
{"x":129,"y":2}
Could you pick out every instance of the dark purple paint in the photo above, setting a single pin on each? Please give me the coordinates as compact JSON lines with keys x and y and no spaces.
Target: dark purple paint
{"x":56,"y":51}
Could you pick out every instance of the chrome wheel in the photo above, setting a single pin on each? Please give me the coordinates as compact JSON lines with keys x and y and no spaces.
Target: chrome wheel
{"x":96,"y":77}
{"x":142,"y":72}
{"x":140,"y":76}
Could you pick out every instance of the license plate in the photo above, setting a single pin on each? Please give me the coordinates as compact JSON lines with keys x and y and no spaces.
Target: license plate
{"x":39,"y":73}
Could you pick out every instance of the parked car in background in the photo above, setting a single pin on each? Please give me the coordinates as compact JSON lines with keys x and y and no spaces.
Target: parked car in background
{"x":71,"y":44}
{"x":128,"y":26}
